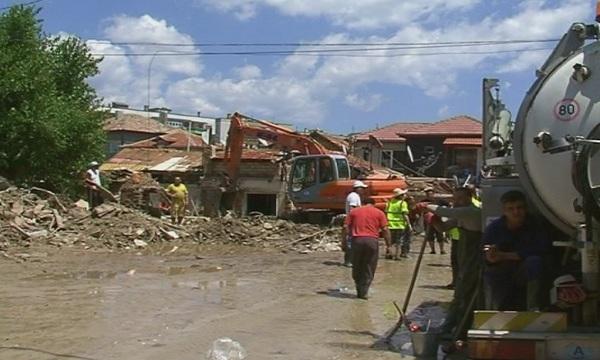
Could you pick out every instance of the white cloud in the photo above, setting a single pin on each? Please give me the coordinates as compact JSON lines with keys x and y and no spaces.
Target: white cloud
{"x":274,"y":98}
{"x":116,"y":73}
{"x":364,"y":103}
{"x":146,"y":29}
{"x":125,"y":79}
{"x":365,"y":14}
{"x":247,"y":72}
{"x":301,"y":87}
{"x":443,"y":111}
{"x":437,"y":76}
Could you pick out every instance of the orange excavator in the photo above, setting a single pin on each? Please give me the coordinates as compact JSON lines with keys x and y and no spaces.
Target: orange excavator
{"x":319,"y":179}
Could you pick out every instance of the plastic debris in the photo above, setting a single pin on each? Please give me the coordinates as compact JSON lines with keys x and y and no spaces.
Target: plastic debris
{"x":226,"y":349}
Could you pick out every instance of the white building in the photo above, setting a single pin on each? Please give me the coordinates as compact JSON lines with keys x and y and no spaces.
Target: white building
{"x":212,"y":130}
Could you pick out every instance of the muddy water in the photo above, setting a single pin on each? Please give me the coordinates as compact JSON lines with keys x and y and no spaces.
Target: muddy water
{"x":71,"y":305}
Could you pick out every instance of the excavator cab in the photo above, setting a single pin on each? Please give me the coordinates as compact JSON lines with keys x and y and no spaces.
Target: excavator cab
{"x":312,"y":175}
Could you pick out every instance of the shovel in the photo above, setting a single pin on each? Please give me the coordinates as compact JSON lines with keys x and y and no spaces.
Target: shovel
{"x":403,"y":320}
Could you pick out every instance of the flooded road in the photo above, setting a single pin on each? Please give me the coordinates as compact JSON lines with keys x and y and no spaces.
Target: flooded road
{"x":82,"y":305}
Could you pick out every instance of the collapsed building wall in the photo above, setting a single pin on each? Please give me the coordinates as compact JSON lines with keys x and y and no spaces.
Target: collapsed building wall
{"x":260,"y":188}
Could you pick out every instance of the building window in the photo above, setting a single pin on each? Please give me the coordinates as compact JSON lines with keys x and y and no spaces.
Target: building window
{"x":176,"y":124}
{"x":387,"y":158}
{"x":366,"y":154}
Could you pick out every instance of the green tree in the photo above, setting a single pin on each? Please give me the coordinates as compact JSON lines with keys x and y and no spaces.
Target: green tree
{"x":49,"y":124}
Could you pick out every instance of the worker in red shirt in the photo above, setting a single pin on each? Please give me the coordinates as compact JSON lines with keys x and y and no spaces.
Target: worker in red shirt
{"x":365,"y":224}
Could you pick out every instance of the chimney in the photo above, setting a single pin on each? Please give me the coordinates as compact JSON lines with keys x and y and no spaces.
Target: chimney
{"x":163,"y":116}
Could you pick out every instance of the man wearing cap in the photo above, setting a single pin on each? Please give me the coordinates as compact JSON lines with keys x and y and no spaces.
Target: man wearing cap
{"x":399,"y":223}
{"x":93,"y":184}
{"x":353,"y":200}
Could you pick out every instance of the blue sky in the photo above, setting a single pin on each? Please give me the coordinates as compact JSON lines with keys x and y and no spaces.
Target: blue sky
{"x":340,"y":94}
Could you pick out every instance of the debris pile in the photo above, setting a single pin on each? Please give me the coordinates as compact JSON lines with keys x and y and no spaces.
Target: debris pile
{"x":39,"y":216}
{"x":265,"y":232}
{"x":417,"y":185}
{"x":136,"y":190}
{"x":27,"y":216}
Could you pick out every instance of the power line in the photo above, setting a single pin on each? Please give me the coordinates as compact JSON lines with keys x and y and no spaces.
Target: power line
{"x":432,"y":53}
{"x":22,"y":4}
{"x":323,"y":54}
{"x":320,"y":51}
{"x":423,"y":44}
{"x":365,"y":51}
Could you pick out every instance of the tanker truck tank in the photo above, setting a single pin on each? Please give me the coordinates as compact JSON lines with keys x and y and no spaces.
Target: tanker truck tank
{"x":563,"y":105}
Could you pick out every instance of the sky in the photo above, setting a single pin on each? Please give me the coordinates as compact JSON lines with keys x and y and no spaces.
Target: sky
{"x":340,"y":94}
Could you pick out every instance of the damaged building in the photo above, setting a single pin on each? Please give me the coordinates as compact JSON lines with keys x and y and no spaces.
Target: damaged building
{"x":173,"y":154}
{"x":261,"y":186}
{"x":441,"y":149}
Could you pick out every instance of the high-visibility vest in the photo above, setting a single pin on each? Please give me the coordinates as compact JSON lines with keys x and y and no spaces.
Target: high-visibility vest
{"x":395,"y":211}
{"x":454,"y":233}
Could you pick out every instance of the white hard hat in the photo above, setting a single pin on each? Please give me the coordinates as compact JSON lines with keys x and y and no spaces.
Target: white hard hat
{"x":93,"y":163}
{"x":565,"y":280}
{"x":398,"y":191}
{"x":359,"y":184}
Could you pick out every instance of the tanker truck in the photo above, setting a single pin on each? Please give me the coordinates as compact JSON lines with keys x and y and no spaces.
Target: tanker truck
{"x":551,"y":153}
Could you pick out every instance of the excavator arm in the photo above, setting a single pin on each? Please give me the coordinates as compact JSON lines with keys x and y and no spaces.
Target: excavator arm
{"x":282,"y":138}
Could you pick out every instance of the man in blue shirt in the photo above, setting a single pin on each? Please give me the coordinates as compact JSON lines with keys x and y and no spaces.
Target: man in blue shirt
{"x":514,"y":246}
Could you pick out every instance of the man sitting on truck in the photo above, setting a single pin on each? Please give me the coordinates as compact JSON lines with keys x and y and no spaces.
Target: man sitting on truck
{"x":514,"y":246}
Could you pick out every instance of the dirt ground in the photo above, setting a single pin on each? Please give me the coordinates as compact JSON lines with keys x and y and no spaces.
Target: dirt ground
{"x":70,"y":304}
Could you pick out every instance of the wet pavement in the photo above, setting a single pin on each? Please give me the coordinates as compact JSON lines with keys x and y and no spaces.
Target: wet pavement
{"x":86,"y":305}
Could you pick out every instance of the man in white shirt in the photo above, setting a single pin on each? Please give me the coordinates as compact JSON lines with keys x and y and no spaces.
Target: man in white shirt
{"x":93,"y":182}
{"x":353,"y":200}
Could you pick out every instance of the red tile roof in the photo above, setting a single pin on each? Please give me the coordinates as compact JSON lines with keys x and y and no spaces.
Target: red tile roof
{"x":173,"y":139}
{"x":134,"y":123}
{"x":463,"y":141}
{"x":138,"y":159}
{"x":458,"y":125}
{"x":390,"y":132}
{"x":398,"y":132}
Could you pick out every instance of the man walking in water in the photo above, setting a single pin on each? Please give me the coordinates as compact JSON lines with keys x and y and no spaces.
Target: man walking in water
{"x":353,"y":200}
{"x":365,"y":224}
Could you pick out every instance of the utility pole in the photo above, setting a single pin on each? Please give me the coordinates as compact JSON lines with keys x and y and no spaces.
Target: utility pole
{"x":149,"y":77}
{"x":189,"y":135}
